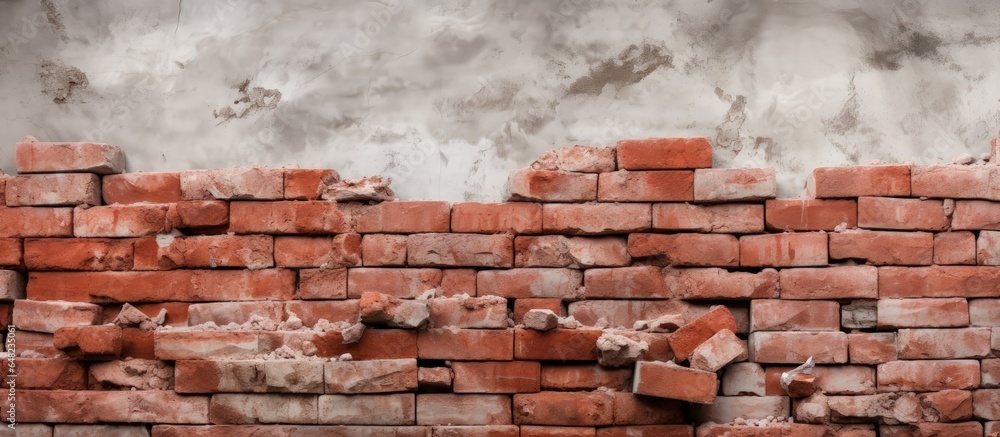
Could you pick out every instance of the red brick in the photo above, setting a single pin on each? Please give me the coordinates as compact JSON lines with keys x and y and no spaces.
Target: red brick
{"x":646,"y":186}
{"x":955,"y":248}
{"x":492,"y":218}
{"x":497,"y":377}
{"x":984,"y":312}
{"x":929,"y":429}
{"x":796,"y":347}
{"x":580,"y":159}
{"x":988,"y":248}
{"x":375,"y":344}
{"x":883,"y":247}
{"x":522,"y":306}
{"x":401,"y":217}
{"x":463,"y":409}
{"x":489,"y":312}
{"x":810,"y":214}
{"x":470,"y":431}
{"x":383,"y":250}
{"x":466,"y":344}
{"x":166,"y":252}
{"x":560,"y":251}
{"x":36,"y":222}
{"x":955,"y":181}
{"x":128,"y":374}
{"x":393,"y":409}
{"x":743,"y":379}
{"x":258,"y":408}
{"x":100,"y":342}
{"x":142,"y":187}
{"x":734,"y":184}
{"x":77,"y":254}
{"x":404,"y":283}
{"x":783,"y":250}
{"x":138,"y":344}
{"x":33,"y":156}
{"x":688,"y":337}
{"x":46,"y":373}
{"x":65,"y":189}
{"x":343,"y":250}
{"x":576,"y":377}
{"x":668,"y":380}
{"x":121,"y":220}
{"x":647,"y":431}
{"x":307,"y":184}
{"x":224,"y":313}
{"x":902,"y":214}
{"x":556,"y":345}
{"x":174,"y":285}
{"x":38,"y":316}
{"x":625,"y":283}
{"x":923,"y":313}
{"x":377,"y":309}
{"x":243,"y":183}
{"x":986,"y":404}
{"x":434,"y":379}
{"x":551,"y":186}
{"x":285,"y":376}
{"x":6,"y":314}
{"x":632,"y":409}
{"x":664,"y":153}
{"x":286,"y":217}
{"x":924,"y":344}
{"x":831,"y":380}
{"x":456,"y":282}
{"x":202,"y":345}
{"x":938,"y":281}
{"x":373,"y":376}
{"x":11,"y":252}
{"x":461,"y":250}
{"x":557,"y":431}
{"x":145,"y":406}
{"x":844,"y":282}
{"x":722,"y":218}
{"x":975,"y":215}
{"x":596,"y":218}
{"x":716,"y":283}
{"x":871,"y":347}
{"x":858,"y":181}
{"x":199,"y":214}
{"x":530,"y":283}
{"x":718,"y":351}
{"x":323,"y":284}
{"x":687,"y":250}
{"x":310,"y":312}
{"x":627,"y":312}
{"x":790,"y":315}
{"x":928,"y":375}
{"x":565,"y":409}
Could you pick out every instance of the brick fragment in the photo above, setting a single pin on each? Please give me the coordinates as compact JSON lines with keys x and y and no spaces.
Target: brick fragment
{"x":884,"y":247}
{"x":790,"y":315}
{"x":872,"y":347}
{"x":687,"y":250}
{"x":383,"y":250}
{"x":463,"y":409}
{"x":540,"y":320}
{"x":365,"y":189}
{"x":596,"y":218}
{"x":343,"y":250}
{"x":33,"y":156}
{"x":199,"y":214}
{"x":286,"y":217}
{"x":258,"y":408}
{"x":664,"y":153}
{"x":577,"y":158}
{"x":922,"y":344}
{"x":40,"y":316}
{"x":487,"y":312}
{"x":307,"y":184}
{"x":859,"y":314}
{"x":12,"y":285}
{"x":530,"y":283}
{"x":859,"y":181}
{"x":131,"y":374}
{"x":66,"y":189}
{"x":722,"y":218}
{"x":121,"y":220}
{"x":94,"y":342}
{"x":141,"y":187}
{"x":36,"y":222}
{"x":466,"y":344}
{"x":577,"y":252}
{"x":726,"y":409}
{"x":382,"y":309}
{"x":551,"y":186}
{"x":684,"y":341}
{"x":625,"y":282}
{"x":845,"y":282}
{"x":955,"y":248}
{"x":902,"y":214}
{"x":434,"y":379}
{"x":783,"y":250}
{"x":923,"y":313}
{"x":743,"y":379}
{"x":576,"y":377}
{"x":522,"y":306}
{"x":734,"y":184}
{"x":796,"y":347}
{"x":938,"y":281}
{"x":374,"y":376}
{"x":244,"y":183}
{"x":492,"y":218}
{"x":646,"y":186}
{"x":172,"y":285}
{"x":165,"y":252}
{"x":460,"y":250}
{"x":497,"y":377}
{"x":717,"y":283}
{"x":719,"y":350}
{"x":556,"y":345}
{"x":929,"y":375}
{"x":668,"y":380}
{"x":323,"y":284}
{"x":564,"y":409}
{"x":67,"y":406}
{"x":810,"y":214}
{"x":410,"y":216}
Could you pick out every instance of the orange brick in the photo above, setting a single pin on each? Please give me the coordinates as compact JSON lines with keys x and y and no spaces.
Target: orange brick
{"x":901,"y":214}
{"x":460,"y":250}
{"x":734,"y":184}
{"x":928,"y":375}
{"x":121,"y":220}
{"x":404,"y":283}
{"x":938,"y":281}
{"x":646,"y":186}
{"x":36,"y":222}
{"x":596,"y":218}
{"x":402,"y":217}
{"x":497,"y":377}
{"x":561,"y":251}
{"x":858,"y":181}
{"x":243,"y":183}
{"x":466,"y":344}
{"x":530,"y":282}
{"x":556,"y":345}
{"x":11,"y":252}
{"x":77,"y":254}
{"x":67,"y":189}
{"x":783,"y":250}
{"x":687,"y":250}
{"x":810,"y":214}
{"x":383,"y":250}
{"x":100,"y":342}
{"x":199,"y":214}
{"x":165,"y":252}
{"x":286,"y":217}
{"x":668,"y":380}
{"x":33,"y":156}
{"x":722,"y":218}
{"x":575,"y":377}
{"x":323,"y":284}
{"x":307,"y":184}
{"x":795,"y":347}
{"x":141,"y":187}
{"x":842,"y":282}
{"x":491,"y":218}
{"x":624,"y":283}
{"x":174,"y":285}
{"x":883,"y":247}
{"x":551,"y":186}
{"x":564,"y":409}
{"x":664,"y":153}
{"x":343,"y":250}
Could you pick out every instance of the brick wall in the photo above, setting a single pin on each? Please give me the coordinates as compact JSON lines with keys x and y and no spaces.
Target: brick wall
{"x":630,"y":291}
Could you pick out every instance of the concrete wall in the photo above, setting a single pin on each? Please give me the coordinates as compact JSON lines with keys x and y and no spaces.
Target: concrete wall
{"x":448,"y":96}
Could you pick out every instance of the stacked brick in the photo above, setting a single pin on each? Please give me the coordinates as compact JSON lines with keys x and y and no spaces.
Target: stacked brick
{"x":627,"y":291}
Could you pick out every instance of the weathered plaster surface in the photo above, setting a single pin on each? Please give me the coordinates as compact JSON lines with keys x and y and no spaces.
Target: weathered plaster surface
{"x":448,"y":96}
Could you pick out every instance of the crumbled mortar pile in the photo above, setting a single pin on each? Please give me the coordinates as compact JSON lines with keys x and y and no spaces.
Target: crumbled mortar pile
{"x":630,"y":291}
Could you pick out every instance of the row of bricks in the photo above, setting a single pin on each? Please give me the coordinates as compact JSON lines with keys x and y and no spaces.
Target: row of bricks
{"x":638,"y":282}
{"x":319,"y":217}
{"x":471,"y":250}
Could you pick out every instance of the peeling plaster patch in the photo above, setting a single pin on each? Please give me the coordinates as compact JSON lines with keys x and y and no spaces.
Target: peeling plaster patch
{"x":728,"y":133}
{"x":55,"y":19}
{"x":59,"y":80}
{"x":630,"y":66}
{"x":917,"y":44}
{"x":251,"y":101}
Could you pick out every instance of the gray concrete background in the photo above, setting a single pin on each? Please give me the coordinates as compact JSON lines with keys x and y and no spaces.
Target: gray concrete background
{"x":447,"y":96}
